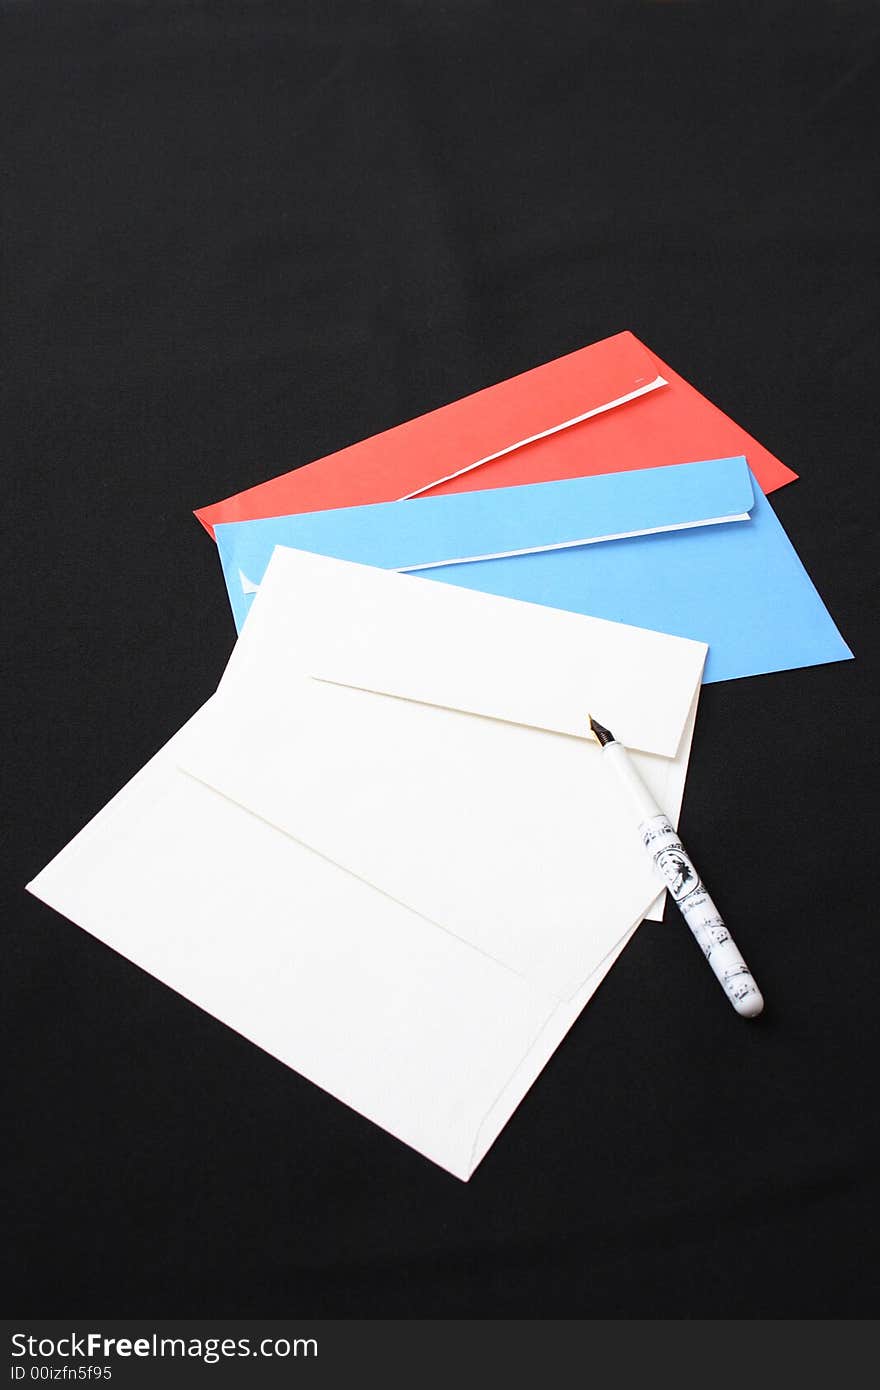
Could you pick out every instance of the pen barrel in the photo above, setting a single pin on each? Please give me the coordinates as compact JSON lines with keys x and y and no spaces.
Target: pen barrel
{"x":675,"y":867}
{"x":643,"y":804}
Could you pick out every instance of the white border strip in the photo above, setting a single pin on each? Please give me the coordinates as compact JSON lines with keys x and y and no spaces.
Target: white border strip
{"x":572,"y":545}
{"x":554,"y":429}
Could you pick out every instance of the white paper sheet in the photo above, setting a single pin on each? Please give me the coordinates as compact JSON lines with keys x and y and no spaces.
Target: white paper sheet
{"x":511,"y":837}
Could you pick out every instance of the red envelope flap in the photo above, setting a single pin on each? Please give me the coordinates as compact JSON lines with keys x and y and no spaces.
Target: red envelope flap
{"x":413,"y":456}
{"x":675,"y":425}
{"x":641,"y":415}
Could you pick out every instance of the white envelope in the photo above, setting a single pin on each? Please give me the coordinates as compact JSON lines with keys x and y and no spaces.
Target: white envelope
{"x":421,"y":1034}
{"x":412,"y":1026}
{"x":504,"y":829}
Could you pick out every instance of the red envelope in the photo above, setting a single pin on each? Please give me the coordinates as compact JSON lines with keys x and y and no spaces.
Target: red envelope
{"x":606,"y":408}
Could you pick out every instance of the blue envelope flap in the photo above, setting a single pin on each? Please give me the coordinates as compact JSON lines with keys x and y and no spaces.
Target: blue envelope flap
{"x":573,"y":512}
{"x":502,"y":521}
{"x":642,"y":547}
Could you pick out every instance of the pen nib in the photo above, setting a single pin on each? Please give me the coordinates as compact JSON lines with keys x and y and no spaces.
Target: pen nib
{"x":602,"y":734}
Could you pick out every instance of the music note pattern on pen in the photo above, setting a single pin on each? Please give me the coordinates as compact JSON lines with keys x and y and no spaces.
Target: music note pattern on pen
{"x":675,"y":867}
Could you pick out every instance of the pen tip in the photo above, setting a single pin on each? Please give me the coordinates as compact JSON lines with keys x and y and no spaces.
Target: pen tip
{"x":601,"y":733}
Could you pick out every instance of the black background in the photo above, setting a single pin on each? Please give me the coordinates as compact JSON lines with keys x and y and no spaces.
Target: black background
{"x":240,"y":235}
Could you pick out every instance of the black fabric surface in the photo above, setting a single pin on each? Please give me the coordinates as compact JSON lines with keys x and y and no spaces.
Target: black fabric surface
{"x":240,"y":235}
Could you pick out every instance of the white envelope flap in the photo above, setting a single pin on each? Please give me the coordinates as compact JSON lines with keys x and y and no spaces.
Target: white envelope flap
{"x":501,"y":658}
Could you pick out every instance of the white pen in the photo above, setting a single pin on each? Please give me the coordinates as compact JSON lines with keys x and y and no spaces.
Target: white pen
{"x":681,"y":878}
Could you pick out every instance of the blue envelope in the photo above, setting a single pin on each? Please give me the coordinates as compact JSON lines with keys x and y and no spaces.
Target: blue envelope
{"x":694,"y":550}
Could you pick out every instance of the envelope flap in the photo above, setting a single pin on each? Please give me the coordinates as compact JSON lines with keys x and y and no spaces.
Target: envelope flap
{"x":432,"y":531}
{"x":460,"y":437}
{"x":500,"y":658}
{"x":574,"y":511}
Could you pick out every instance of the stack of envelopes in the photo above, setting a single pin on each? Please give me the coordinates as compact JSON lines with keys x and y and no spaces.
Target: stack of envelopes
{"x":386,"y":850}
